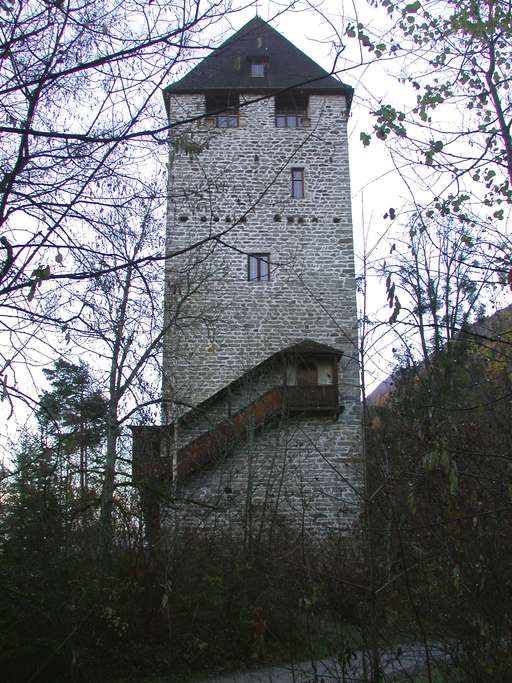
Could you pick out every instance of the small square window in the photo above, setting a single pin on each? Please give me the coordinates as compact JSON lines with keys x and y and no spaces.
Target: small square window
{"x":257,"y":70}
{"x":258,"y":66}
{"x":298,"y":183}
{"x":258,"y":267}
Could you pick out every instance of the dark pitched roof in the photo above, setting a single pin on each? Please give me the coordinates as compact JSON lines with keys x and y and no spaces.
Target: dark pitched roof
{"x":227,"y":67}
{"x":311,"y":346}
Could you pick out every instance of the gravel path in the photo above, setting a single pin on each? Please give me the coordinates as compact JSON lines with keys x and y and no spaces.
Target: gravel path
{"x":407,"y":658}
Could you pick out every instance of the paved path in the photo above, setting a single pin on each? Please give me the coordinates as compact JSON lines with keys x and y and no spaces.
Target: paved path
{"x":406,"y":658}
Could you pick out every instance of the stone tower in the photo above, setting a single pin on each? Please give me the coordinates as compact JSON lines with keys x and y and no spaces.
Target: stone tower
{"x":261,"y":383}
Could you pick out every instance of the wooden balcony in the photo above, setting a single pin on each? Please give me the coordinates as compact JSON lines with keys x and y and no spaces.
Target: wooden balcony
{"x":316,"y":398}
{"x":148,"y":465}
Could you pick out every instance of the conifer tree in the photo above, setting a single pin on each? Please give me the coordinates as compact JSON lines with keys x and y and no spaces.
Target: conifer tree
{"x":72,"y":416}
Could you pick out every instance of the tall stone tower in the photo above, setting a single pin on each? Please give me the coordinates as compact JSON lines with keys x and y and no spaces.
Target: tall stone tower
{"x":261,"y":383}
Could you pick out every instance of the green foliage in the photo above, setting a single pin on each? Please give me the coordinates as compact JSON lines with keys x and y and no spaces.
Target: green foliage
{"x":39,"y":275}
{"x":445,"y":675}
{"x":34,"y":530}
{"x":217,"y":597}
{"x":201,"y":604}
{"x":59,"y":620}
{"x":74,"y":410}
{"x":184,"y":144}
{"x":457,"y":58}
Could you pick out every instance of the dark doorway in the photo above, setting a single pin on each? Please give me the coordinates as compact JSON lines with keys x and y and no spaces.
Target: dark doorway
{"x":307,"y":373}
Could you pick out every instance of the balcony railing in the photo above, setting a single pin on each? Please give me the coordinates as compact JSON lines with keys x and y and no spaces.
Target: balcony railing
{"x":224,"y":436}
{"x":148,"y":465}
{"x":311,"y":397}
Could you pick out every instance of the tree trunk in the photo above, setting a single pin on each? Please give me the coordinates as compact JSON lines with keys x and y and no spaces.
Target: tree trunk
{"x":107,"y":493}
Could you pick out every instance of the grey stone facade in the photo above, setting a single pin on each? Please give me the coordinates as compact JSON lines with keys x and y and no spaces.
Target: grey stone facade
{"x":230,"y":199}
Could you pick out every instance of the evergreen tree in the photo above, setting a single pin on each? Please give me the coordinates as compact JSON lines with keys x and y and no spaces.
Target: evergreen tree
{"x":34,"y":560}
{"x":72,"y":415}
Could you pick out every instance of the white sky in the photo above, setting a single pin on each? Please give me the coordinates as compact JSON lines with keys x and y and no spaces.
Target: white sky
{"x":374,"y":187}
{"x":375,"y":184}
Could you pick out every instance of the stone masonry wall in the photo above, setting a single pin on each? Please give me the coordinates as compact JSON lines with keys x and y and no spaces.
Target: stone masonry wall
{"x":295,"y":473}
{"x":234,"y":198}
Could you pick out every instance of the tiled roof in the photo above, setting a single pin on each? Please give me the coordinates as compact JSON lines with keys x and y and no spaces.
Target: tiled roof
{"x":228,"y":67}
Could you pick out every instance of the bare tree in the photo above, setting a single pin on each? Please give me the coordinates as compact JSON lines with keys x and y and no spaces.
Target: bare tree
{"x":117,"y":320}
{"x":435,"y":282}
{"x":80,"y":119}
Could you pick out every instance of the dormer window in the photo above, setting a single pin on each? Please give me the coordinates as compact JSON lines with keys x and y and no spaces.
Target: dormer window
{"x":258,"y":66}
{"x":291,"y":110}
{"x":222,"y":110}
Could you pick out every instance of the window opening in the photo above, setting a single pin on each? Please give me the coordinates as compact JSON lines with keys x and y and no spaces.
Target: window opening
{"x":291,"y":110}
{"x":258,"y":267}
{"x":222,"y":110}
{"x":258,"y":66}
{"x":257,"y":70}
{"x":297,"y":183}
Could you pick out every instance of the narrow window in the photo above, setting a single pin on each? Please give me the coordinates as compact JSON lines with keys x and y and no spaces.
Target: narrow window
{"x":297,"y":183}
{"x":291,"y":110}
{"x":222,"y":110}
{"x":258,"y":267}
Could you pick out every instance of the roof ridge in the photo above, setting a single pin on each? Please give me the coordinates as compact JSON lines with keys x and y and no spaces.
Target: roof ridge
{"x":225,"y":68}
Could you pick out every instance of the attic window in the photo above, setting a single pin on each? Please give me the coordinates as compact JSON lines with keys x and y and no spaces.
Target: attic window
{"x":222,"y":110}
{"x":258,"y":66}
{"x":292,"y":110}
{"x":257,"y":70}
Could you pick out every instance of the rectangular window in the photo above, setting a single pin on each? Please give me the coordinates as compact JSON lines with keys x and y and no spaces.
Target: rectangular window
{"x":258,"y":267}
{"x":291,"y":110}
{"x":222,"y":110}
{"x":257,"y":70}
{"x":258,"y":66}
{"x":297,"y":183}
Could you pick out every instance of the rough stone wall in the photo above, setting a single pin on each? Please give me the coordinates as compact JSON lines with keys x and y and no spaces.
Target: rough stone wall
{"x":295,"y":472}
{"x":234,"y":198}
{"x":240,"y":396}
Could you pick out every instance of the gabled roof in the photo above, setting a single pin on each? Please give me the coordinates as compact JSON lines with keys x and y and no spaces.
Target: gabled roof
{"x":227,"y":67}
